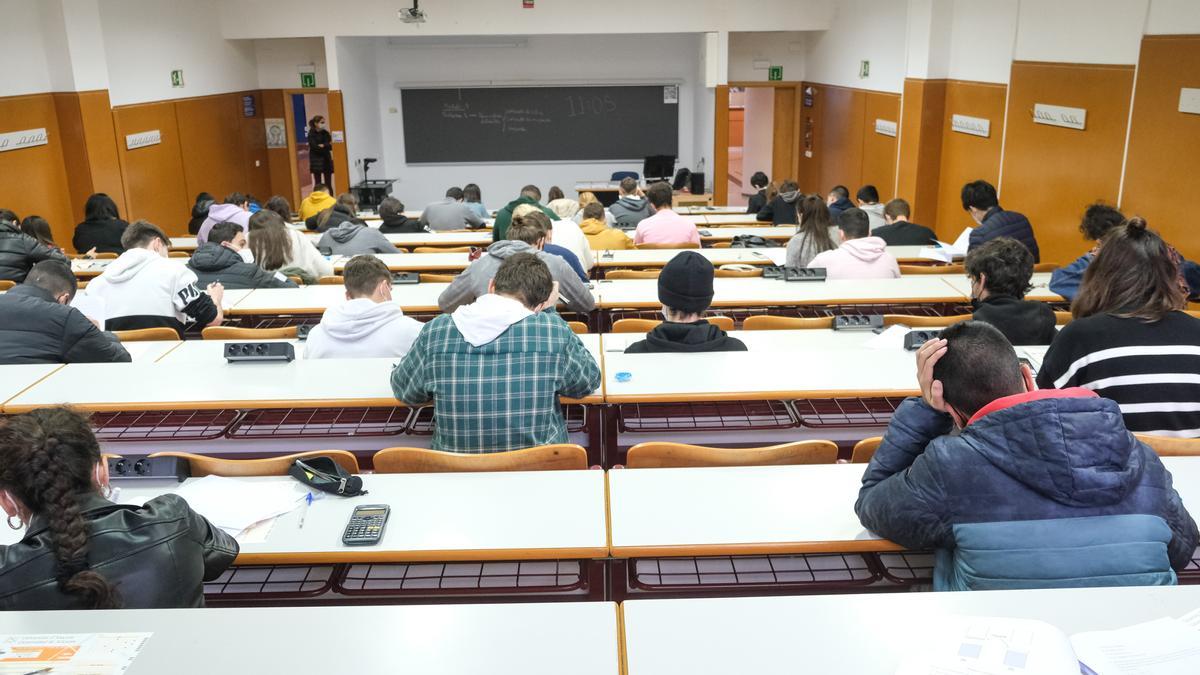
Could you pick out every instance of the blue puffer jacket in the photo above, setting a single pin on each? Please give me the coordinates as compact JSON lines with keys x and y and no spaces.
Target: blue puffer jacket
{"x":1066,"y":280}
{"x":1042,"y":460}
{"x":1000,"y":223}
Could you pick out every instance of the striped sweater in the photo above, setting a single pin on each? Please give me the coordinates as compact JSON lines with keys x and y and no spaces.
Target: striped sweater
{"x":1152,"y":370}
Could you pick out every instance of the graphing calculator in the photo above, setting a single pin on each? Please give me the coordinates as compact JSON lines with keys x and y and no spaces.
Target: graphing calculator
{"x":366,"y":525}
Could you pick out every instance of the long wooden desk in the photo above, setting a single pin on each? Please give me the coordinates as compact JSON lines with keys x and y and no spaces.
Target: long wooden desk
{"x":316,"y":299}
{"x":18,"y":378}
{"x":1040,"y":282}
{"x":864,"y":634}
{"x":756,"y":292}
{"x":453,"y":639}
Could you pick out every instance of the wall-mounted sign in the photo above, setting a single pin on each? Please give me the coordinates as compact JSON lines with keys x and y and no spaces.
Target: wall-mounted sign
{"x":1189,"y":101}
{"x":248,"y":107}
{"x":775,"y":74}
{"x":1059,"y":116}
{"x":885,"y":127}
{"x":976,"y":126}
{"x":276,"y":132}
{"x":864,"y":69}
{"x":308,"y":80}
{"x":337,"y":136}
{"x":29,"y":138}
{"x":177,"y":78}
{"x":670,"y":94}
{"x":143,"y":139}
{"x":808,"y":97}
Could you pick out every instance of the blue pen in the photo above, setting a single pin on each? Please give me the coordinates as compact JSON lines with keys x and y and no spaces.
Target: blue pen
{"x":307,"y":503}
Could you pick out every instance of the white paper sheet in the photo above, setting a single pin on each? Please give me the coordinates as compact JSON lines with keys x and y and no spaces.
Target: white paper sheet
{"x":92,"y":306}
{"x":234,"y":505}
{"x":70,"y":654}
{"x":948,"y":252}
{"x":890,"y":339}
{"x":988,"y":645}
{"x":1160,"y":647}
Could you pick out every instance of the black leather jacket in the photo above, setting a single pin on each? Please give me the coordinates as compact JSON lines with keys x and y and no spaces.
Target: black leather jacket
{"x":157,"y":555}
{"x":19,"y":252}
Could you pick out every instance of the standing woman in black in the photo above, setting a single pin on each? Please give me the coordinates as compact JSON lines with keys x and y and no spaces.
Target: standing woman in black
{"x":320,"y":152}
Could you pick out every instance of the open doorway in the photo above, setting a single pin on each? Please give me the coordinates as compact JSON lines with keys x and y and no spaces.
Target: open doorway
{"x":751,"y":139}
{"x":304,"y":108}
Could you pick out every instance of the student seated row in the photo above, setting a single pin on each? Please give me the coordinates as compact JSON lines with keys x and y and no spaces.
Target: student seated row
{"x":1037,"y":489}
{"x":860,"y":255}
{"x":368,"y":324}
{"x":19,"y":252}
{"x":142,"y":288}
{"x":898,"y":230}
{"x":528,"y":233}
{"x":566,"y":232}
{"x":495,"y":369}
{"x":39,"y":325}
{"x":685,"y":289}
{"x":82,"y":551}
{"x":226,"y":259}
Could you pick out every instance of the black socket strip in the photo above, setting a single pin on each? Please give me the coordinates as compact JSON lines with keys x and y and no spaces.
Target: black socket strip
{"x":804,"y":274}
{"x":858,"y":322}
{"x":915,"y":338}
{"x":142,"y":467}
{"x":406,"y":278}
{"x":240,"y":352}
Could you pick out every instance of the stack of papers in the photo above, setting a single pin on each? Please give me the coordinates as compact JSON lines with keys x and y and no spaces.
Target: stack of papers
{"x":70,"y":654}
{"x":948,"y":252}
{"x":235,"y":505}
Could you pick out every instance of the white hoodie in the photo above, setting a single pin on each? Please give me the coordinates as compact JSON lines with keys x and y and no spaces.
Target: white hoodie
{"x":143,"y":284}
{"x":487,"y":318}
{"x":568,"y":235}
{"x":360,"y":329}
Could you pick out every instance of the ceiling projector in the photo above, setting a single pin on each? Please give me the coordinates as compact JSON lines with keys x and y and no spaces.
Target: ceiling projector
{"x":412,"y":14}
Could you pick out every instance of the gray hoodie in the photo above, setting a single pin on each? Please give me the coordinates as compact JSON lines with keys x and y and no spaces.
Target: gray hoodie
{"x":351,"y":238}
{"x":874,"y":215}
{"x":630,"y":210}
{"x":449,"y":214}
{"x":473,"y":282}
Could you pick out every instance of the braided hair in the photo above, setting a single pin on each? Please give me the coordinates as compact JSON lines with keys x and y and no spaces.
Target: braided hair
{"x":46,"y":462}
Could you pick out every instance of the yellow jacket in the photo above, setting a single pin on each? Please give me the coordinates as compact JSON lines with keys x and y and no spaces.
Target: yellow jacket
{"x":315,"y":203}
{"x":601,"y":237}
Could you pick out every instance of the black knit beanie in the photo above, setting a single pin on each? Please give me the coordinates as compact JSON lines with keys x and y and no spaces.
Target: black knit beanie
{"x":686,"y":283}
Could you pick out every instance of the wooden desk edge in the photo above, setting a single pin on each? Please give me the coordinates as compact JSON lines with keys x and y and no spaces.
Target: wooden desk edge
{"x":761,"y":548}
{"x":758,"y":396}
{"x":246,"y":405}
{"x":361,"y":555}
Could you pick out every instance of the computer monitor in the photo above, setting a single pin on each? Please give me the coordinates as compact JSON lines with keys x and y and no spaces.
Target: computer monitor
{"x":658,"y":167}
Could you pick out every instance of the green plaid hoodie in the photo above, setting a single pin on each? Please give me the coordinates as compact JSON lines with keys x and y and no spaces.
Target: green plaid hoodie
{"x":502,"y":395}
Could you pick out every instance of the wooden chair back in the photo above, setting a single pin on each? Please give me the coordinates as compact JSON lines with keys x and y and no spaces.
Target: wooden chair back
{"x":914,"y":321}
{"x":295,"y":280}
{"x":442,"y":249}
{"x":334,"y":280}
{"x":1064,"y":318}
{"x":1045,"y":267}
{"x":865,"y":449}
{"x":1167,"y":446}
{"x":146,"y":334}
{"x":678,"y":245}
{"x":95,"y":256}
{"x":645,"y":325}
{"x":768,"y":322}
{"x":427,"y":278}
{"x":632,"y":274}
{"x":175,"y":254}
{"x":932,"y":269}
{"x":723,"y":244}
{"x":577,"y":327}
{"x":204,"y":465}
{"x":6,"y":284}
{"x":661,"y":454}
{"x":234,"y":333}
{"x":734,"y":274}
{"x":563,"y":457}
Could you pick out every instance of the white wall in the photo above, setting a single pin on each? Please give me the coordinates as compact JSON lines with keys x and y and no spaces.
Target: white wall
{"x":778,"y":48}
{"x":1081,"y":31}
{"x":759,"y":134}
{"x":360,"y":85}
{"x":981,"y":40}
{"x":555,"y":60}
{"x":25,"y":68}
{"x":147,"y":39}
{"x":870,"y":30}
{"x":1173,"y":17}
{"x":278,"y":61}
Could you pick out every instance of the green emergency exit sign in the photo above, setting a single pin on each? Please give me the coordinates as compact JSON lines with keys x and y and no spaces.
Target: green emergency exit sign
{"x":775,"y":74}
{"x":308,"y":80}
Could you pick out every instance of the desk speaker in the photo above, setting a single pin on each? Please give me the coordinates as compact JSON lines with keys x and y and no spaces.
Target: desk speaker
{"x":696,"y":183}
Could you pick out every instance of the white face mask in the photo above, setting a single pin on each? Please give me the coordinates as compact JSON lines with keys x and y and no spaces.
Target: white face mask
{"x":247,"y":255}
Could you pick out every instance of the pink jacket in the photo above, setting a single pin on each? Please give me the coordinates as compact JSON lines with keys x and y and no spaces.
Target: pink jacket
{"x":865,"y":258}
{"x":666,"y":227}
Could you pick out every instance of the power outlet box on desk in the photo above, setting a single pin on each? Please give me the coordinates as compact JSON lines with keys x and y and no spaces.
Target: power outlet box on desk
{"x":855,"y":322}
{"x":406,"y":278}
{"x":141,"y":467}
{"x":913,"y":339}
{"x":259,"y":352}
{"x":804,"y":274}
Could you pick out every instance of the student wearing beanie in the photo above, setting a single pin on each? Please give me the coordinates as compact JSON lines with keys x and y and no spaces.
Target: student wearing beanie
{"x":685,"y":289}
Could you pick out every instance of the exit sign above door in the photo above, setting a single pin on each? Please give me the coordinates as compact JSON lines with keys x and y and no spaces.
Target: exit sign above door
{"x":775,"y":74}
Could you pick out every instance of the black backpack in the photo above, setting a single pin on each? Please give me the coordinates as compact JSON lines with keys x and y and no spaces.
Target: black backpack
{"x":752,"y":241}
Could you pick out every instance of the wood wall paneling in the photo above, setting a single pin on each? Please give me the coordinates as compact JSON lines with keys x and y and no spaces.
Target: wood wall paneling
{"x":253,"y":137}
{"x":35,"y":180}
{"x":783,"y":159}
{"x":1052,"y":173}
{"x":100,"y":134}
{"x":839,"y":138}
{"x":809,"y":141}
{"x":1162,"y":171}
{"x":210,"y":145}
{"x":924,"y":115}
{"x":341,"y":163}
{"x":281,"y":170}
{"x":155,"y":183}
{"x":721,"y":145}
{"x":737,"y":127}
{"x":75,"y":160}
{"x":879,"y":150}
{"x":965,"y":157}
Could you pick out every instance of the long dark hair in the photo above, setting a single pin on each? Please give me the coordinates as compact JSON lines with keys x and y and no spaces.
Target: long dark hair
{"x":100,"y":207}
{"x":46,"y":462}
{"x":280,"y":204}
{"x":471,"y":193}
{"x":1135,"y":276}
{"x":38,"y":228}
{"x":815,"y":221}
{"x":269,"y":240}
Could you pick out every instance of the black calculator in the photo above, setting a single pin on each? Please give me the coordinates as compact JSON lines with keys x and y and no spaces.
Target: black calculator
{"x":366,"y":525}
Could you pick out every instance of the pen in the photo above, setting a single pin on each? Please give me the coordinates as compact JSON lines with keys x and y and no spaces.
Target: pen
{"x":307,"y":503}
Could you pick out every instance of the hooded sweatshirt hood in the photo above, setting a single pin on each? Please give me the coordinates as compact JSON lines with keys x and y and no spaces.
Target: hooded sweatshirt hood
{"x":345,"y":231}
{"x":129,"y":264}
{"x":790,"y":197}
{"x":593,"y":226}
{"x":220,"y":213}
{"x":700,"y":336}
{"x":319,"y":201}
{"x":1075,"y":451}
{"x":866,"y":249}
{"x":358,"y":319}
{"x":213,"y":257}
{"x":634,"y":204}
{"x":489,"y":316}
{"x":509,"y":247}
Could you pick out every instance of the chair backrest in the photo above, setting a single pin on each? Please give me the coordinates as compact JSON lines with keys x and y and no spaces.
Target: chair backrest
{"x":661,"y":454}
{"x":146,"y":334}
{"x":1045,"y":267}
{"x":429,"y":278}
{"x":577,"y":327}
{"x":727,"y":274}
{"x":234,"y":333}
{"x":622,"y":175}
{"x":1062,"y":318}
{"x":6,"y":284}
{"x":646,"y":325}
{"x":296,"y":280}
{"x":768,"y":322}
{"x":932,"y":269}
{"x":915,"y":321}
{"x":98,"y":256}
{"x":682,"y":244}
{"x":865,"y":449}
{"x":1117,"y":550}
{"x":178,"y":254}
{"x":632,"y":274}
{"x":1166,"y":446}
{"x":335,"y":280}
{"x":442,"y":249}
{"x":204,"y":465}
{"x":562,"y":457}
{"x":723,"y":244}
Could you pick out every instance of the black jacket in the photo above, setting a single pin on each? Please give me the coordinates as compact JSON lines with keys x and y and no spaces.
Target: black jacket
{"x":19,"y":252}
{"x":213,"y":262}
{"x":836,"y":208}
{"x":1023,"y":322}
{"x":780,"y":211}
{"x":103,"y":235}
{"x":700,"y":336}
{"x":322,"y":223}
{"x":320,"y":160}
{"x":36,"y":329}
{"x":157,"y":555}
{"x":1000,"y":223}
{"x":904,"y":233}
{"x":757,"y":201}
{"x":401,"y":224}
